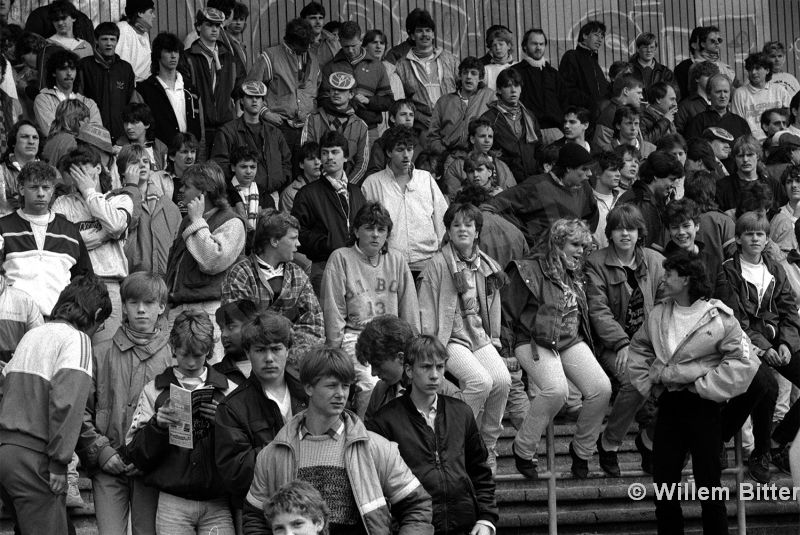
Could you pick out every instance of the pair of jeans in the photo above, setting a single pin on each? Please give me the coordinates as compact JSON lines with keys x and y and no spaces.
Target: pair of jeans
{"x":758,"y":401}
{"x":179,"y":516}
{"x":485,"y":383}
{"x":687,"y":423}
{"x":552,"y":373}
{"x":119,"y":497}
{"x":626,"y":404}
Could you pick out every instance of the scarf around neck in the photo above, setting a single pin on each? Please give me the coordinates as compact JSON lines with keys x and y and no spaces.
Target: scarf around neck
{"x":139,"y":338}
{"x":535,"y":63}
{"x":527,"y":119}
{"x":213,"y":54}
{"x":105,"y":63}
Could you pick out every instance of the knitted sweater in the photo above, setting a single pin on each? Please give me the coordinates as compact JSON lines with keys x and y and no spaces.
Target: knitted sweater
{"x":102,"y":222}
{"x":45,"y":390}
{"x":354,"y":292}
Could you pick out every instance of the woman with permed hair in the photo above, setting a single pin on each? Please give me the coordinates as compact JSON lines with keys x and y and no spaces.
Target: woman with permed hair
{"x":546,"y":322}
{"x":361,"y":282}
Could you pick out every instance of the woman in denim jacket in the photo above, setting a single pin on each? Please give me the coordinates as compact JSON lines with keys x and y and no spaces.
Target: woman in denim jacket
{"x":546,"y":321}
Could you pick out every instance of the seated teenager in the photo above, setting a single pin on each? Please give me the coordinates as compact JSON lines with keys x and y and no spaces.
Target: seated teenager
{"x":623,"y":283}
{"x":452,"y":467}
{"x":682,"y":219}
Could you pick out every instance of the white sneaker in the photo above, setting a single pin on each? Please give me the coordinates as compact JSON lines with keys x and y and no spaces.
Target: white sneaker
{"x":74,"y":494}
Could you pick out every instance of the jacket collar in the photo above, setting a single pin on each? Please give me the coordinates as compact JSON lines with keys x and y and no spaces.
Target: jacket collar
{"x":214,"y":378}
{"x":296,"y":390}
{"x":125,"y":344}
{"x":354,"y":430}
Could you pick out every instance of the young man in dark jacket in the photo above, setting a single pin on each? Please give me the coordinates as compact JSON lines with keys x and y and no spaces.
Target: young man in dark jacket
{"x":585,"y":80}
{"x":326,"y":208}
{"x":439,"y":440}
{"x":166,"y":83}
{"x":543,"y":90}
{"x":250,"y":417}
{"x":108,"y":79}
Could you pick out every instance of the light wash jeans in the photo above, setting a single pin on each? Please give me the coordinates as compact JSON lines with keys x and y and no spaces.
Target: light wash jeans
{"x":179,"y":516}
{"x":550,"y":373}
{"x":119,"y":497}
{"x":485,"y":383}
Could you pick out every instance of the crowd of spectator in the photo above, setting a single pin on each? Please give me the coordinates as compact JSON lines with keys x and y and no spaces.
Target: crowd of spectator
{"x":399,"y":248}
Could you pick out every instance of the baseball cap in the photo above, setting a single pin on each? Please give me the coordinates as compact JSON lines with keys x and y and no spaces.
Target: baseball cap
{"x":254,"y":88}
{"x":209,"y":14}
{"x":96,"y":136}
{"x":714,"y":132}
{"x":342,"y":81}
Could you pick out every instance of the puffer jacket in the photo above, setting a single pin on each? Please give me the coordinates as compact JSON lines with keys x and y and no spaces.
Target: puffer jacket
{"x":714,"y":360}
{"x":773,"y":320}
{"x":533,"y":306}
{"x":450,"y":462}
{"x":608,"y":292}
{"x":188,"y":473}
{"x":121,"y":369}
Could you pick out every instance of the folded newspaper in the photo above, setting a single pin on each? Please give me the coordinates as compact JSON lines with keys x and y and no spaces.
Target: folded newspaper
{"x":186,"y":404}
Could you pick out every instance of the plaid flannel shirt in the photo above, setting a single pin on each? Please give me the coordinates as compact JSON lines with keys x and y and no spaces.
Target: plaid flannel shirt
{"x":297,"y":301}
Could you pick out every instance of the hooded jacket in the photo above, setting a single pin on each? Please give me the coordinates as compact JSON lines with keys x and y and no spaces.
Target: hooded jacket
{"x":714,"y":360}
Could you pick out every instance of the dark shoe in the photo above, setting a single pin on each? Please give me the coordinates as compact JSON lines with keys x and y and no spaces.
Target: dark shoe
{"x":526,"y":467}
{"x":608,"y":459}
{"x":647,"y":455}
{"x":580,"y":467}
{"x":759,"y":467}
{"x":780,"y":458}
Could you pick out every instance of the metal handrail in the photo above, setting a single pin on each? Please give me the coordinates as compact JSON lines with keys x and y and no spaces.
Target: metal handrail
{"x":552,"y":478}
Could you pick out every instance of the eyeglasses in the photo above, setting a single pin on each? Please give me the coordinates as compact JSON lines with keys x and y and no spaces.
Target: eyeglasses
{"x":717,"y":41}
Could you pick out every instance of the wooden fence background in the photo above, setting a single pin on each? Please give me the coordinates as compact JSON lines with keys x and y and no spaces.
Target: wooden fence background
{"x":745,"y":24}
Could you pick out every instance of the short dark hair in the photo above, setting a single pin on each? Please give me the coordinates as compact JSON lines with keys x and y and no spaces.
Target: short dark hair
{"x":333,"y":26}
{"x":609,"y":160}
{"x":138,"y":112}
{"x":164,"y":42}
{"x":702,"y":189}
{"x":473,"y":194}
{"x":308,"y":150}
{"x":657,"y":91}
{"x":703,"y":34}
{"x":751,"y":222}
{"x":382,"y":339}
{"x":61,"y":59}
{"x":29,"y":42}
{"x":478,"y":122}
{"x":660,"y":164}
{"x":179,"y":140}
{"x":791,"y":171}
{"x":757,"y":195}
{"x":698,"y":70}
{"x":509,"y":77}
{"x":81,"y":155}
{"x":298,"y":33}
{"x":371,"y":35}
{"x":398,"y":135}
{"x":242,"y":310}
{"x":312,"y":8}
{"x":14,"y":132}
{"x":757,"y":59}
{"x":424,"y":346}
{"x":81,"y":300}
{"x":373,"y":213}
{"x":591,"y":27}
{"x":132,"y":9}
{"x":323,"y":361}
{"x":627,"y":150}
{"x":106,"y":28}
{"x":272,"y":225}
{"x":783,"y":112}
{"x":693,"y":266}
{"x":240,"y":11}
{"x":626,"y":216}
{"x":582,"y":114}
{"x":471,"y":62}
{"x":670,"y":141}
{"x":645,"y":39}
{"x":419,"y":18}
{"x":681,"y":210}
{"x":332,"y":138}
{"x":467,"y":211}
{"x":349,"y":29}
{"x":399,"y":103}
{"x":624,"y":112}
{"x":769,"y":46}
{"x":60,"y":9}
{"x":243,"y":153}
{"x":699,"y":150}
{"x":267,"y":328}
{"x":532,"y":31}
